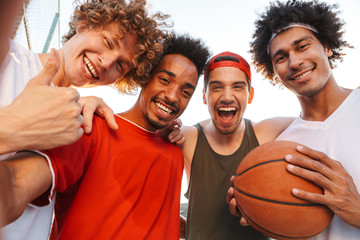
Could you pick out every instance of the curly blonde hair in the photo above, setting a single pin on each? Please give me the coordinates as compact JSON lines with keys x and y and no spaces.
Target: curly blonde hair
{"x":131,"y":16}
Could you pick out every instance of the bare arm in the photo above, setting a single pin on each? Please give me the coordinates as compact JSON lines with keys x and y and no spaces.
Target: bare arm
{"x":23,"y":178}
{"x":269,"y":129}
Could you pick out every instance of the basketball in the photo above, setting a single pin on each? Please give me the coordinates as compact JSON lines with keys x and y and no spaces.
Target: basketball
{"x":263,"y":193}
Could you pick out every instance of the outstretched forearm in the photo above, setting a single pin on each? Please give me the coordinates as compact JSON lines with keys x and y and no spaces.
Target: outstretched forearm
{"x":23,"y":178}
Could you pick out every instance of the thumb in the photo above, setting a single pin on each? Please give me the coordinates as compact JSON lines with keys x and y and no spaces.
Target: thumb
{"x":49,"y":71}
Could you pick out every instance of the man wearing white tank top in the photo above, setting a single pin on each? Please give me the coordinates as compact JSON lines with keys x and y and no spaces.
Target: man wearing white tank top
{"x":303,"y":41}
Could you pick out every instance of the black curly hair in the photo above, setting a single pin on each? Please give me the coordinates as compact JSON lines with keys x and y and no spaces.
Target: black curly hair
{"x":322,"y":16}
{"x":193,"y":49}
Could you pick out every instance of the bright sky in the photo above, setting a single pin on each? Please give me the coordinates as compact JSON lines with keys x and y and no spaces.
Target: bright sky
{"x":228,"y":26}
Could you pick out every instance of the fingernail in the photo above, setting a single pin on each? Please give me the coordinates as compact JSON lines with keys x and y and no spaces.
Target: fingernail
{"x":299,"y":147}
{"x":288,"y":157}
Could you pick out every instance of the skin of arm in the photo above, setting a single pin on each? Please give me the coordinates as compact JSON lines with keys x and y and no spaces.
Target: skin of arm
{"x":23,"y":178}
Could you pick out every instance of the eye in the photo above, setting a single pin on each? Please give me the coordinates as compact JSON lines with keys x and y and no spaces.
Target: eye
{"x":108,"y":42}
{"x":164,"y":80}
{"x":280,"y":59}
{"x":187,"y":93}
{"x":303,"y":46}
{"x":239,"y":87}
{"x":216,"y":88}
{"x":120,"y":66}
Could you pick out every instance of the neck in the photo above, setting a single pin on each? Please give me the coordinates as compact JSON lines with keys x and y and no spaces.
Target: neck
{"x":224,"y":144}
{"x":135,"y":115}
{"x":319,"y":106}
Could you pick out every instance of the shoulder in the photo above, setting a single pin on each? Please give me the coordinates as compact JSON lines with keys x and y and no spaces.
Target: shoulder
{"x":269,"y":129}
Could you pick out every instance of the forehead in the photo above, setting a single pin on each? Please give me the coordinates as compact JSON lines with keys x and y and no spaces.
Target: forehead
{"x":227,"y":75}
{"x":290,"y":37}
{"x":180,"y":67}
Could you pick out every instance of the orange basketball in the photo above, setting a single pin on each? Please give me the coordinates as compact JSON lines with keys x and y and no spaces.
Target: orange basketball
{"x":263,"y":194}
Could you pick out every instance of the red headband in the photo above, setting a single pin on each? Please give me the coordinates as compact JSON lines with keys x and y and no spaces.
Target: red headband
{"x":228,"y":59}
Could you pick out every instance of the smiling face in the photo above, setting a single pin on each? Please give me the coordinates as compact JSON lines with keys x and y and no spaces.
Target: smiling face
{"x":227,"y":94}
{"x":300,"y":61}
{"x":168,"y":93}
{"x":96,"y":57}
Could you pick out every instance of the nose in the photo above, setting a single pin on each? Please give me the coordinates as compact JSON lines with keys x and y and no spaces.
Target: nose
{"x":108,"y":59}
{"x":227,"y":96}
{"x":172,"y":94}
{"x":295,"y":60}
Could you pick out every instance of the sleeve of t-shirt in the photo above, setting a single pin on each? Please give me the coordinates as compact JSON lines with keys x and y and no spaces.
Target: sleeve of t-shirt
{"x":68,"y":163}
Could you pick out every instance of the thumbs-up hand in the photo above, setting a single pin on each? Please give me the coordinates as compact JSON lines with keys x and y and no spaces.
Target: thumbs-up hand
{"x":41,"y":117}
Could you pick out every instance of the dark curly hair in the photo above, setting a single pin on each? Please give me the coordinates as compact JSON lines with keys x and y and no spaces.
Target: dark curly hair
{"x":131,"y":16}
{"x":193,"y":49}
{"x":279,"y":14}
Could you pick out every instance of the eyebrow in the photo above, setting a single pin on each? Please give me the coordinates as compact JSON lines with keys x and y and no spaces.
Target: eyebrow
{"x":234,"y":83}
{"x":171,"y":74}
{"x":296,"y":42}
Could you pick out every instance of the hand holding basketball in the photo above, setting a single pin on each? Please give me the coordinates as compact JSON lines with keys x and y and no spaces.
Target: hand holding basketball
{"x":262,"y":189}
{"x":340,"y":192}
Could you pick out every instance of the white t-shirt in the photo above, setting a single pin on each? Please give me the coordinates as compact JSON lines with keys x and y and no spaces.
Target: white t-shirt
{"x":19,"y":66}
{"x":339,"y":137}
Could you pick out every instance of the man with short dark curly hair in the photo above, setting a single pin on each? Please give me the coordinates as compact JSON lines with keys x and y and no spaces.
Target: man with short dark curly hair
{"x":122,"y":184}
{"x":296,"y":43}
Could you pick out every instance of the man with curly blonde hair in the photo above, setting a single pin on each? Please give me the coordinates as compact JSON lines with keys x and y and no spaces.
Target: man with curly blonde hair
{"x":108,"y":42}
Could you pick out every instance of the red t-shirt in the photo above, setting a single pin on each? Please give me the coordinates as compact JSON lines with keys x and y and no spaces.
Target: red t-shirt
{"x":122,"y":184}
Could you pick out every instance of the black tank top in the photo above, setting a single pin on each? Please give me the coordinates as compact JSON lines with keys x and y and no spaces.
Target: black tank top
{"x":208,"y":214}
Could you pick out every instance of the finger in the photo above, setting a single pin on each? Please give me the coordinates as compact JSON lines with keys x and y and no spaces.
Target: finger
{"x":175,"y":135}
{"x":181,"y":141}
{"x":243,"y":222}
{"x":229,"y":195}
{"x":310,"y":169}
{"x":178,"y":122}
{"x":313,"y":176}
{"x":88,"y":114}
{"x":311,"y":197}
{"x":317,"y":155}
{"x":109,"y":116}
{"x":233,"y":208}
{"x":49,"y":71}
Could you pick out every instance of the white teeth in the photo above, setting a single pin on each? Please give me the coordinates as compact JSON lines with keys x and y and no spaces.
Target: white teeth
{"x":302,"y":75}
{"x":162,"y":107}
{"x":227,"y":109}
{"x":90,"y":66}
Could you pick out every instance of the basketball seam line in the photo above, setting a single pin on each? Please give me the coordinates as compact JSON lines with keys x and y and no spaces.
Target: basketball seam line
{"x":275,"y":234}
{"x":279,"y":202}
{"x":259,"y":164}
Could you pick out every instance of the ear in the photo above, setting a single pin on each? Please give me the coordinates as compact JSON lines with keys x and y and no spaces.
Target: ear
{"x":204,"y":98}
{"x":329,"y":52}
{"x":251,"y":95}
{"x":81,"y":28}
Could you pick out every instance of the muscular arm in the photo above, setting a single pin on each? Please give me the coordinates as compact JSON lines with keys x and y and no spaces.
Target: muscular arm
{"x":269,"y":129}
{"x":23,"y":178}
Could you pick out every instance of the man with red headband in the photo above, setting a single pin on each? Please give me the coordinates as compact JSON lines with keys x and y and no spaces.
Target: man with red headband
{"x":214,"y":148}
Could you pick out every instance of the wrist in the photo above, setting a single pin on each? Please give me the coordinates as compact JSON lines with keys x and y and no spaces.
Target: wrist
{"x":7,"y":132}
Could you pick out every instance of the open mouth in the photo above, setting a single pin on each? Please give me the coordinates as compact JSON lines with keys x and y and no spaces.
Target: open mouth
{"x":226,"y":114}
{"x":89,"y":68}
{"x":164,"y":108}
